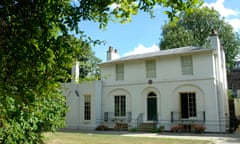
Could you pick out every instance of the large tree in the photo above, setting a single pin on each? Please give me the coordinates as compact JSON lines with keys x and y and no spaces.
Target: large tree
{"x":194,"y":29}
{"x":88,"y":62}
{"x":35,"y":55}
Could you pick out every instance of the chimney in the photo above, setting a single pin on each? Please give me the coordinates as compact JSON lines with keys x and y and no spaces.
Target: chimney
{"x":75,"y":71}
{"x":214,"y":40}
{"x":112,"y":54}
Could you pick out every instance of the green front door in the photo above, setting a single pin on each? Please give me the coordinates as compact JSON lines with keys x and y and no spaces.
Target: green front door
{"x":152,"y":107}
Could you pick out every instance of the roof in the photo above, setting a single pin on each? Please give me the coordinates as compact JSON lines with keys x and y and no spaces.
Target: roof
{"x":160,"y":53}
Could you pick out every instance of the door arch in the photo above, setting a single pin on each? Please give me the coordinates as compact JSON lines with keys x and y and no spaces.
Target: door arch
{"x":152,"y":106}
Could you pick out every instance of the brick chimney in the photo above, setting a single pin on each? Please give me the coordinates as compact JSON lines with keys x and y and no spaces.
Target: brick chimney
{"x":112,"y":54}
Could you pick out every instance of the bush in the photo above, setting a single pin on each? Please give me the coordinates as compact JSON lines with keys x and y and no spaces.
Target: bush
{"x":102,"y":128}
{"x":132,"y":129}
{"x":177,"y":128}
{"x":199,"y":128}
{"x":22,"y":123}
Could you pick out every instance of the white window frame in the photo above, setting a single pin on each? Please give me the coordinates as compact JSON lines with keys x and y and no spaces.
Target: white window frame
{"x":151,"y":68}
{"x":120,"y":106}
{"x":119,"y":71}
{"x":187,"y":65}
{"x":87,"y":107}
{"x":192,"y":104}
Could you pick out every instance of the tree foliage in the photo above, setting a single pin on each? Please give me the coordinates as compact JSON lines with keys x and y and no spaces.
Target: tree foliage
{"x":194,"y":29}
{"x":36,"y":52}
{"x":175,"y":36}
{"x":88,"y":62}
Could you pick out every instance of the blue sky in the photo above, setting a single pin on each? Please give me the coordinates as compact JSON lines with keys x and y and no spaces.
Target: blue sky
{"x":143,"y":33}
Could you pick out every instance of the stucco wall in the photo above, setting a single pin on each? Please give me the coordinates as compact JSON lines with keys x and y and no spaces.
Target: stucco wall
{"x":167,"y":85}
{"x":168,"y":100}
{"x":75,"y":101}
{"x":169,"y":82}
{"x":168,"y":69}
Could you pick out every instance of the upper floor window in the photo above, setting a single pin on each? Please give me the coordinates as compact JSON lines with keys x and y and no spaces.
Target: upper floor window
{"x":119,"y":71}
{"x":151,"y":68}
{"x":187,"y":66}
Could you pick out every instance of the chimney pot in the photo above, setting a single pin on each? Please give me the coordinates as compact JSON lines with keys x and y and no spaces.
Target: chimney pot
{"x":110,"y":49}
{"x":213,"y":32}
{"x":112,"y":54}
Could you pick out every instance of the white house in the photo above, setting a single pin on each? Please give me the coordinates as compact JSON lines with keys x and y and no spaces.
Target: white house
{"x":178,"y":86}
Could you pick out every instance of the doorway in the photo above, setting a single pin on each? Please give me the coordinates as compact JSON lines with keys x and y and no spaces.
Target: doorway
{"x":152,"y":107}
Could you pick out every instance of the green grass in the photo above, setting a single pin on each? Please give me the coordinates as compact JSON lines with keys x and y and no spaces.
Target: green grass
{"x":84,"y":138}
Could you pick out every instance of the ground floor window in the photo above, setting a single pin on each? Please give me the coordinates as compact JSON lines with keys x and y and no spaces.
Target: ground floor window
{"x":87,"y":107}
{"x":120,"y":106}
{"x":188,"y":105}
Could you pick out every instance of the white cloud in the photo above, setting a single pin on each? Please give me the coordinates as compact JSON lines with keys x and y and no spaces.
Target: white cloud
{"x":219,"y":6}
{"x":226,"y":12}
{"x":235,"y":23}
{"x":140,"y":49}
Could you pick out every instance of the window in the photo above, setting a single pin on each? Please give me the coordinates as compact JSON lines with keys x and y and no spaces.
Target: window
{"x":188,"y":105}
{"x":187,"y":67}
{"x":119,"y":71}
{"x":151,"y":68}
{"x":87,"y":107}
{"x":120,"y":106}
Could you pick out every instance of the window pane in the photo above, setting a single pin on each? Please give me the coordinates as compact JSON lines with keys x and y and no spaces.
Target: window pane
{"x":188,"y":105}
{"x":116,"y":102}
{"x":87,"y":107}
{"x":187,"y":67}
{"x":120,"y":105}
{"x":151,"y":68}
{"x":119,"y":72}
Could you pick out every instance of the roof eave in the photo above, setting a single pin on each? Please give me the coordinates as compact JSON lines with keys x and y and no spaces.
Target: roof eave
{"x":164,"y":55}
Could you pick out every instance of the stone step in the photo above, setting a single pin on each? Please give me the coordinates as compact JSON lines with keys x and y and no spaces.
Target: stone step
{"x":146,"y":127}
{"x":238,"y":130}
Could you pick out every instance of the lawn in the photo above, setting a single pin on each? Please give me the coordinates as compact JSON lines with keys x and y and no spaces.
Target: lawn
{"x":84,"y":138}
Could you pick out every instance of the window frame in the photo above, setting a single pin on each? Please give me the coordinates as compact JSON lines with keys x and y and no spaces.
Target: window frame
{"x":120,"y":106}
{"x":87,"y":107}
{"x":119,"y":68}
{"x":187,"y":65}
{"x":191,"y":104}
{"x":151,"y":68}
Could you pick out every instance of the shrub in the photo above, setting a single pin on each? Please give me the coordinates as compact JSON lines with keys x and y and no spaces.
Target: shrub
{"x":199,"y":128}
{"x":177,"y":128}
{"x":155,"y":130}
{"x":102,"y":128}
{"x":132,"y":129}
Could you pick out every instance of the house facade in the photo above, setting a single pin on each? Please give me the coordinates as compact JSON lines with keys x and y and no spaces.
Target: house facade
{"x":184,"y":86}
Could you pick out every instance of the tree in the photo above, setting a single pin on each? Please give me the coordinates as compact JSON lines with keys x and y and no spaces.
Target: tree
{"x":88,"y":62}
{"x":35,"y":53}
{"x":175,"y":36}
{"x":194,"y":29}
